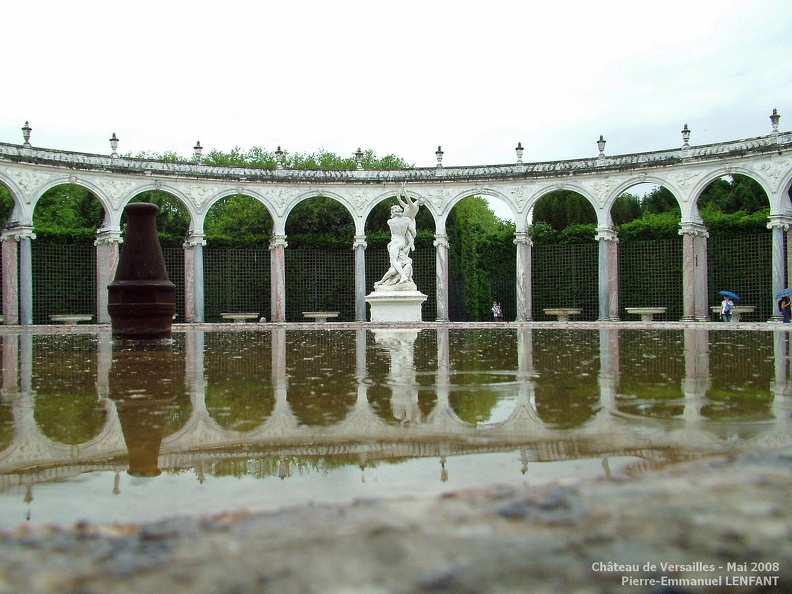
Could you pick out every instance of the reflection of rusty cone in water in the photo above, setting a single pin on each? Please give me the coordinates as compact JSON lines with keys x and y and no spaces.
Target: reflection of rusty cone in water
{"x":141,"y":299}
{"x":142,"y":384}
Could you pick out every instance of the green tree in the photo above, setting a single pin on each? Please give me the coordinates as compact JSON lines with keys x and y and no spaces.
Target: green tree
{"x":562,"y":208}
{"x":237,"y":221}
{"x":627,"y":207}
{"x":659,"y":200}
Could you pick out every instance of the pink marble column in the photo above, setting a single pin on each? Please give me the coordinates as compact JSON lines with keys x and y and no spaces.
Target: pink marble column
{"x":608,"y":277}
{"x":277,"y":248}
{"x":10,"y":277}
{"x":694,"y":272}
{"x":193,"y":278}
{"x":788,"y":279}
{"x":107,"y":251}
{"x":441,"y":275}
{"x":523,"y":288}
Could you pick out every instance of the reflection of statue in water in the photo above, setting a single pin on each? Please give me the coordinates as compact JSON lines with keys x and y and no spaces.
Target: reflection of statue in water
{"x":402,"y":226}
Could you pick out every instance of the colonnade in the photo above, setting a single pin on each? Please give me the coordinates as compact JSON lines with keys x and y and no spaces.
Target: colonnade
{"x":686,"y":172}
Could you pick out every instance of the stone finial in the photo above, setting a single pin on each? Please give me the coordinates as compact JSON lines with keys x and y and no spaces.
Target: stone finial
{"x":685,"y":137}
{"x":601,"y":146}
{"x":114,"y":145}
{"x":359,"y":159}
{"x":439,"y":155}
{"x":519,"y":150}
{"x":775,"y":118}
{"x":278,"y":158}
{"x":197,"y":151}
{"x":26,"y":130}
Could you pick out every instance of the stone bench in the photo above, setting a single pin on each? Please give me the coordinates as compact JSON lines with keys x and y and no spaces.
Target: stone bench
{"x":71,"y":318}
{"x":320,"y":316}
{"x":646,"y":313}
{"x":563,"y":313}
{"x":240,"y":317}
{"x":737,"y":311}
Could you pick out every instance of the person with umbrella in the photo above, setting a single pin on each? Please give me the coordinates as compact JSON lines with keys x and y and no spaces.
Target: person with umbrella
{"x":727,"y":305}
{"x":784,"y":305}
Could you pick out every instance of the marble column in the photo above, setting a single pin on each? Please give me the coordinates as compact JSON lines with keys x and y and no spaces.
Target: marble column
{"x":107,"y":252}
{"x":277,"y":248}
{"x":694,"y":272}
{"x":780,"y":228}
{"x":788,"y":278}
{"x":359,"y":246}
{"x":18,"y":275}
{"x":441,"y":274}
{"x":10,"y":276}
{"x":608,"y":273}
{"x":194,"y":278}
{"x":524,"y":303}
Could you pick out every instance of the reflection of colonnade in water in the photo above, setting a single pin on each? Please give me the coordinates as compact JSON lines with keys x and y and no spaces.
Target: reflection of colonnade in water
{"x":362,"y":431}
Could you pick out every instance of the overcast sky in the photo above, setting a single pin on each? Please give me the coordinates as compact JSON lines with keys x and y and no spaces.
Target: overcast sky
{"x":396,"y":77}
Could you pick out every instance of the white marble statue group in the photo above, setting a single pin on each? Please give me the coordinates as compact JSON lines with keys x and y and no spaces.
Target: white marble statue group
{"x":402,"y":227}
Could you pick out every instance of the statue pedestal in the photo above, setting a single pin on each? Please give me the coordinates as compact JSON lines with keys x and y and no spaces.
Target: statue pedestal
{"x":395,"y":306}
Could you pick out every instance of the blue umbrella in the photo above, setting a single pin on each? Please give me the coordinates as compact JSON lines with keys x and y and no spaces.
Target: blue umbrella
{"x":784,"y":293}
{"x":730,"y":294}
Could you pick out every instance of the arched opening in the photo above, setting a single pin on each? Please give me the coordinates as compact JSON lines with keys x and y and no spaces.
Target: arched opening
{"x":65,"y":221}
{"x":236,"y":258}
{"x":564,"y":255}
{"x":647,"y":219}
{"x":320,"y":262}
{"x":735,"y":211}
{"x":481,"y":262}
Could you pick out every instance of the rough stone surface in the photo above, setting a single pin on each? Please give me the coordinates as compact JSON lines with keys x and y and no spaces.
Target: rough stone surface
{"x":498,"y":539}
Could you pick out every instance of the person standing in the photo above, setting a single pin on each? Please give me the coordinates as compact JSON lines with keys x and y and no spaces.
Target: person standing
{"x":784,"y":306}
{"x":727,"y":305}
{"x":497,"y":312}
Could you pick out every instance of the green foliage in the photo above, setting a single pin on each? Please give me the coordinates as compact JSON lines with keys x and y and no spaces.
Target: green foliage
{"x":734,"y":194}
{"x":660,"y":200}
{"x":68,"y":207}
{"x":543,"y":234}
{"x":238,"y":221}
{"x":6,"y":204}
{"x":578,"y":234}
{"x":738,"y":223}
{"x":651,"y":226}
{"x":563,"y":208}
{"x":626,"y":208}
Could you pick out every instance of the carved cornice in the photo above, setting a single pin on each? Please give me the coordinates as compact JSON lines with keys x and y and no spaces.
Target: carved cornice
{"x":46,"y":158}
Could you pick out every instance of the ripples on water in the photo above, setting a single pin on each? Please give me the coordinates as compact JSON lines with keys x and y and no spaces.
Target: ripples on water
{"x":259,"y":420}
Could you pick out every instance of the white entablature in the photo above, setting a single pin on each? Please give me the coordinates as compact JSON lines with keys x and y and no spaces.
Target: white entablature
{"x":29,"y":172}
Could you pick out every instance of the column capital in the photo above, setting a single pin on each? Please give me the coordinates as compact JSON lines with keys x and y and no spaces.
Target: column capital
{"x":360,"y":241}
{"x":278,"y":240}
{"x":108,"y":236}
{"x":779,"y":221}
{"x":18,"y":233}
{"x":522,"y":237}
{"x":441,"y":240}
{"x":691,"y":228}
{"x":607,"y":234}
{"x":193,"y":239}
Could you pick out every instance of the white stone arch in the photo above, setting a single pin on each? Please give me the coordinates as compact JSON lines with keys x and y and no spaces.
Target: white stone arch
{"x":280,"y":221}
{"x":547,"y":189}
{"x":492,"y":192}
{"x":198,"y":223}
{"x":72,"y":180}
{"x":21,"y":211}
{"x":158,"y":186}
